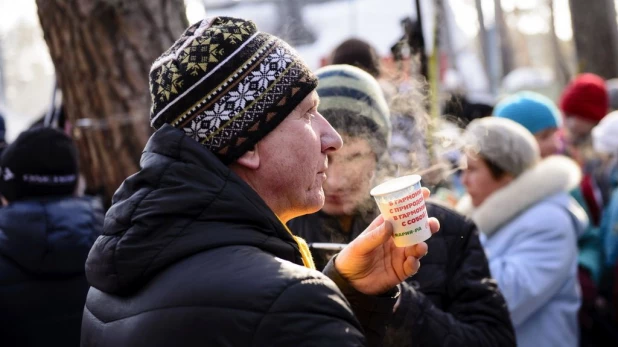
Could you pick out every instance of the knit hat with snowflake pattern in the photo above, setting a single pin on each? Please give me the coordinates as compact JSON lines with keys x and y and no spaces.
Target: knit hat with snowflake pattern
{"x":227,"y":85}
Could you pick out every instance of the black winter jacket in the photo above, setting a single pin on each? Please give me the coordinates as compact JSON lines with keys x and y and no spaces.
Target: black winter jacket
{"x":192,"y":256}
{"x":43,"y":249}
{"x":451,"y":301}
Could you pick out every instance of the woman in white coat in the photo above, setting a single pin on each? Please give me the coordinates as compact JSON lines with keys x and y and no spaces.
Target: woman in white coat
{"x":529,"y":226}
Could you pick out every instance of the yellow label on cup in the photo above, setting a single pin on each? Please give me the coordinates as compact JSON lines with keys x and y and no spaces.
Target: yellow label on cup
{"x":401,"y":202}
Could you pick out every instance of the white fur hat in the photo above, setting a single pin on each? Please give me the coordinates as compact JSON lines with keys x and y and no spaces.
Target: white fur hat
{"x":605,"y":134}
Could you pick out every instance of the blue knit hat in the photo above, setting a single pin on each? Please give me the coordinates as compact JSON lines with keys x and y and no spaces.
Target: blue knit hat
{"x":532,"y":110}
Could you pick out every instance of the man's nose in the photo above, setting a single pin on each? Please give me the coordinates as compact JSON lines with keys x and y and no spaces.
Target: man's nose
{"x":329,"y":137}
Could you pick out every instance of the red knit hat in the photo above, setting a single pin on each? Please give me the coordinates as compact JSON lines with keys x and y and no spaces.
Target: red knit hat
{"x":585,"y":97}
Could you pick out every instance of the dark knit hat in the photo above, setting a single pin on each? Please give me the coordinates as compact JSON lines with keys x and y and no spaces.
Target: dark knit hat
{"x":42,"y":162}
{"x":227,"y":85}
{"x":353,"y":102}
{"x":357,"y":53}
{"x":585,"y":97}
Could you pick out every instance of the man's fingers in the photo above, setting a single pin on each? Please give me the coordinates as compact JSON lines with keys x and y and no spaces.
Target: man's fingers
{"x":434,"y":225}
{"x":418,"y":250}
{"x":411,"y":266}
{"x":426,"y":193}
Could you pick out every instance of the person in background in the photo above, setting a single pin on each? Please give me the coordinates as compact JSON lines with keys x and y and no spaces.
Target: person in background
{"x":584,"y":102}
{"x":195,"y":251}
{"x":612,"y":91}
{"x":431,"y":309}
{"x":539,"y":115}
{"x":361,"y":54}
{"x":3,"y":143}
{"x":536,"y":113}
{"x":530,"y":226}
{"x":46,"y":233}
{"x":407,"y":146}
{"x":605,"y":142}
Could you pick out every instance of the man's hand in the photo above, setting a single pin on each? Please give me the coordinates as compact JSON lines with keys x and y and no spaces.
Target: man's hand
{"x":373,"y":264}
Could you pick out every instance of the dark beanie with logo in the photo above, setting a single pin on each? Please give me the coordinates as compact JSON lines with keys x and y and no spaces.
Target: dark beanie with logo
{"x":42,"y":162}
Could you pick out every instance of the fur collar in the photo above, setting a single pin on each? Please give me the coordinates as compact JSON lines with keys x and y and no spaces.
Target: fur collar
{"x":552,"y":175}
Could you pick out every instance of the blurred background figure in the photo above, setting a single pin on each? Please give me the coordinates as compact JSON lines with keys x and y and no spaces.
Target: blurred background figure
{"x":361,"y":54}
{"x":407,"y":108}
{"x":584,"y":103}
{"x":45,"y":236}
{"x":605,"y":141}
{"x":530,"y":225}
{"x":430,"y":311}
{"x":3,"y":143}
{"x":536,"y":113}
{"x":612,"y":90}
{"x":542,"y":118}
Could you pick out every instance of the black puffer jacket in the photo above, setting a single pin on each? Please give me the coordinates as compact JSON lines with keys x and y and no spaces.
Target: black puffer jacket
{"x":43,"y":249}
{"x":451,"y":301}
{"x":192,"y":256}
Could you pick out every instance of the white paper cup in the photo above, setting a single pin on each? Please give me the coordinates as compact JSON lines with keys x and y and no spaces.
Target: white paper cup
{"x":401,"y":202}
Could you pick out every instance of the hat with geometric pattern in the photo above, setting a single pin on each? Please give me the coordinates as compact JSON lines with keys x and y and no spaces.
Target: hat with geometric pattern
{"x":227,"y":85}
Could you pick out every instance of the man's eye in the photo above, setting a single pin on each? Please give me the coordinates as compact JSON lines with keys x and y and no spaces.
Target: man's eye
{"x":356,"y":156}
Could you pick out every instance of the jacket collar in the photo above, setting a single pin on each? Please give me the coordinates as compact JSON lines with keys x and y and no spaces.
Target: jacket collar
{"x":182,"y":202}
{"x":552,"y":175}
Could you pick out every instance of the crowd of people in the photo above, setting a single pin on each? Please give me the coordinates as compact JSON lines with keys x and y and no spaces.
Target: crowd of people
{"x":250,"y":222}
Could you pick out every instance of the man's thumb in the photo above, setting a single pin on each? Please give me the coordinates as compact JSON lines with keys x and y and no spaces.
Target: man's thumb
{"x":376,"y":237}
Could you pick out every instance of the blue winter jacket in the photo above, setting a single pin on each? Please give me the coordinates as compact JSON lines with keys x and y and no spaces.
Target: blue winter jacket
{"x":609,"y":223}
{"x":530,"y":231}
{"x":43,"y":250}
{"x":535,"y":265}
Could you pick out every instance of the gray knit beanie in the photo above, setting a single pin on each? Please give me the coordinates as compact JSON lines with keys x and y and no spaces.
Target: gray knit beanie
{"x":353,"y":102}
{"x":503,"y":142}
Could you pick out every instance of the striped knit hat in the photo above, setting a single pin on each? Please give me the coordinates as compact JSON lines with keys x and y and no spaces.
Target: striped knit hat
{"x":227,"y":85}
{"x":353,"y":102}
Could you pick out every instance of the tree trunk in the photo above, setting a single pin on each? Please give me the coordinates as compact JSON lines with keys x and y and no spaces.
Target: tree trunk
{"x":484,"y":39}
{"x":563,"y":75}
{"x":102,"y":51}
{"x":506,"y":47}
{"x":596,"y":36}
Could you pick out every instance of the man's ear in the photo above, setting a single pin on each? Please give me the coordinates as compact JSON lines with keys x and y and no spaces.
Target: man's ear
{"x":251,"y":159}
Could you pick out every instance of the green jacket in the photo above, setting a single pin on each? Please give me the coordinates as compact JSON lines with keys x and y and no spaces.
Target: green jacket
{"x":589,"y":243}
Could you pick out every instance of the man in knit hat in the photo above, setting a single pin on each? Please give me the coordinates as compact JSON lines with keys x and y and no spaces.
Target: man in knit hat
{"x":46,"y":233}
{"x":195,"y":249}
{"x":351,"y":101}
